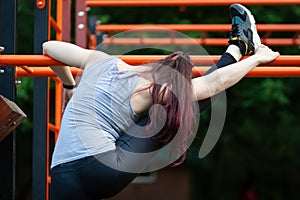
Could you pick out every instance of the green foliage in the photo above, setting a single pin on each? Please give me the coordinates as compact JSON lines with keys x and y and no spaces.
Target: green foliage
{"x":25,"y":28}
{"x":265,"y":91}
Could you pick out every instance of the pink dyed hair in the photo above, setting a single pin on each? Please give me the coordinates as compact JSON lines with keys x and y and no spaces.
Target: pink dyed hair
{"x":178,"y":104}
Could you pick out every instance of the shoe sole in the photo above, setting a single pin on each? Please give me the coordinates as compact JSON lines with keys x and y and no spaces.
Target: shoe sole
{"x":256,"y":38}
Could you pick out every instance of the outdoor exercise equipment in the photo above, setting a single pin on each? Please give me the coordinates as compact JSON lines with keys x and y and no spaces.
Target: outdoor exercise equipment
{"x":36,"y":66}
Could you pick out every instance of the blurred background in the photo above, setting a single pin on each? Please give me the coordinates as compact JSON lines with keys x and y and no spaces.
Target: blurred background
{"x":257,"y":155}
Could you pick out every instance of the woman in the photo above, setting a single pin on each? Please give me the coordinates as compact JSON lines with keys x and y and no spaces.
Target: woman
{"x":97,"y":152}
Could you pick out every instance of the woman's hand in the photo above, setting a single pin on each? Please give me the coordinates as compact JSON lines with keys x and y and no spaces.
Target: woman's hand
{"x":68,"y":93}
{"x":265,"y":54}
{"x":225,"y":77}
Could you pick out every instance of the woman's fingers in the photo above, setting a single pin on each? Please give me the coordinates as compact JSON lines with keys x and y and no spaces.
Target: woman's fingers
{"x":266,"y":54}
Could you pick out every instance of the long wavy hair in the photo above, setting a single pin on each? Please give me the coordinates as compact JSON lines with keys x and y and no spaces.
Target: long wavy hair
{"x":171,"y":89}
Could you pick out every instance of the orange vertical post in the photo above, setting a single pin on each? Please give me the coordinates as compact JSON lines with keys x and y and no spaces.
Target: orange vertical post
{"x":59,"y":16}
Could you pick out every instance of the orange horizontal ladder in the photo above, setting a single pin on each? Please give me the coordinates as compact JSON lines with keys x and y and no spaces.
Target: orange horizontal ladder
{"x":41,"y":60}
{"x":257,"y":72}
{"x":194,"y":41}
{"x":283,"y":66}
{"x":196,"y":27}
{"x":186,"y":2}
{"x":204,"y":40}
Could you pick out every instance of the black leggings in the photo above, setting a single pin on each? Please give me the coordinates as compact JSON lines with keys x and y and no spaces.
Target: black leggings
{"x":90,"y":179}
{"x":87,"y":179}
{"x":226,"y":59}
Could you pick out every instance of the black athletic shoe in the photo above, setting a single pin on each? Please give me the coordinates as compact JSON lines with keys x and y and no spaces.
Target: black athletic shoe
{"x":243,"y":32}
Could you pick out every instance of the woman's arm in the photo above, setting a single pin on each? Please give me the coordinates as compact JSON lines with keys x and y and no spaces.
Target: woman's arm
{"x":71,"y":54}
{"x":223,"y":78}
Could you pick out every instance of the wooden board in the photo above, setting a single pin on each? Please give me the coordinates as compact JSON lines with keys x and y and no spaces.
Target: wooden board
{"x":10,"y":117}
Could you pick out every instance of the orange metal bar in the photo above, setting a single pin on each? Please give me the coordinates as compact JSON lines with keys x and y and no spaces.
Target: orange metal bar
{"x":44,"y":71}
{"x":119,"y":3}
{"x":281,"y":41}
{"x":29,"y":60}
{"x":53,"y":127}
{"x":59,"y":20}
{"x":58,"y":26}
{"x":27,"y":69}
{"x":194,"y":41}
{"x":48,"y":141}
{"x":275,"y":72}
{"x":51,"y":21}
{"x":261,"y":71}
{"x":283,"y":60}
{"x":55,"y":25}
{"x":195,"y":27}
{"x":58,"y":105}
{"x":41,"y":60}
{"x":257,"y":72}
{"x":92,"y":41}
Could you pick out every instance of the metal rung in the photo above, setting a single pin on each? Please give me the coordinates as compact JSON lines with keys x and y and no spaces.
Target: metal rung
{"x":120,"y":3}
{"x":41,"y":60}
